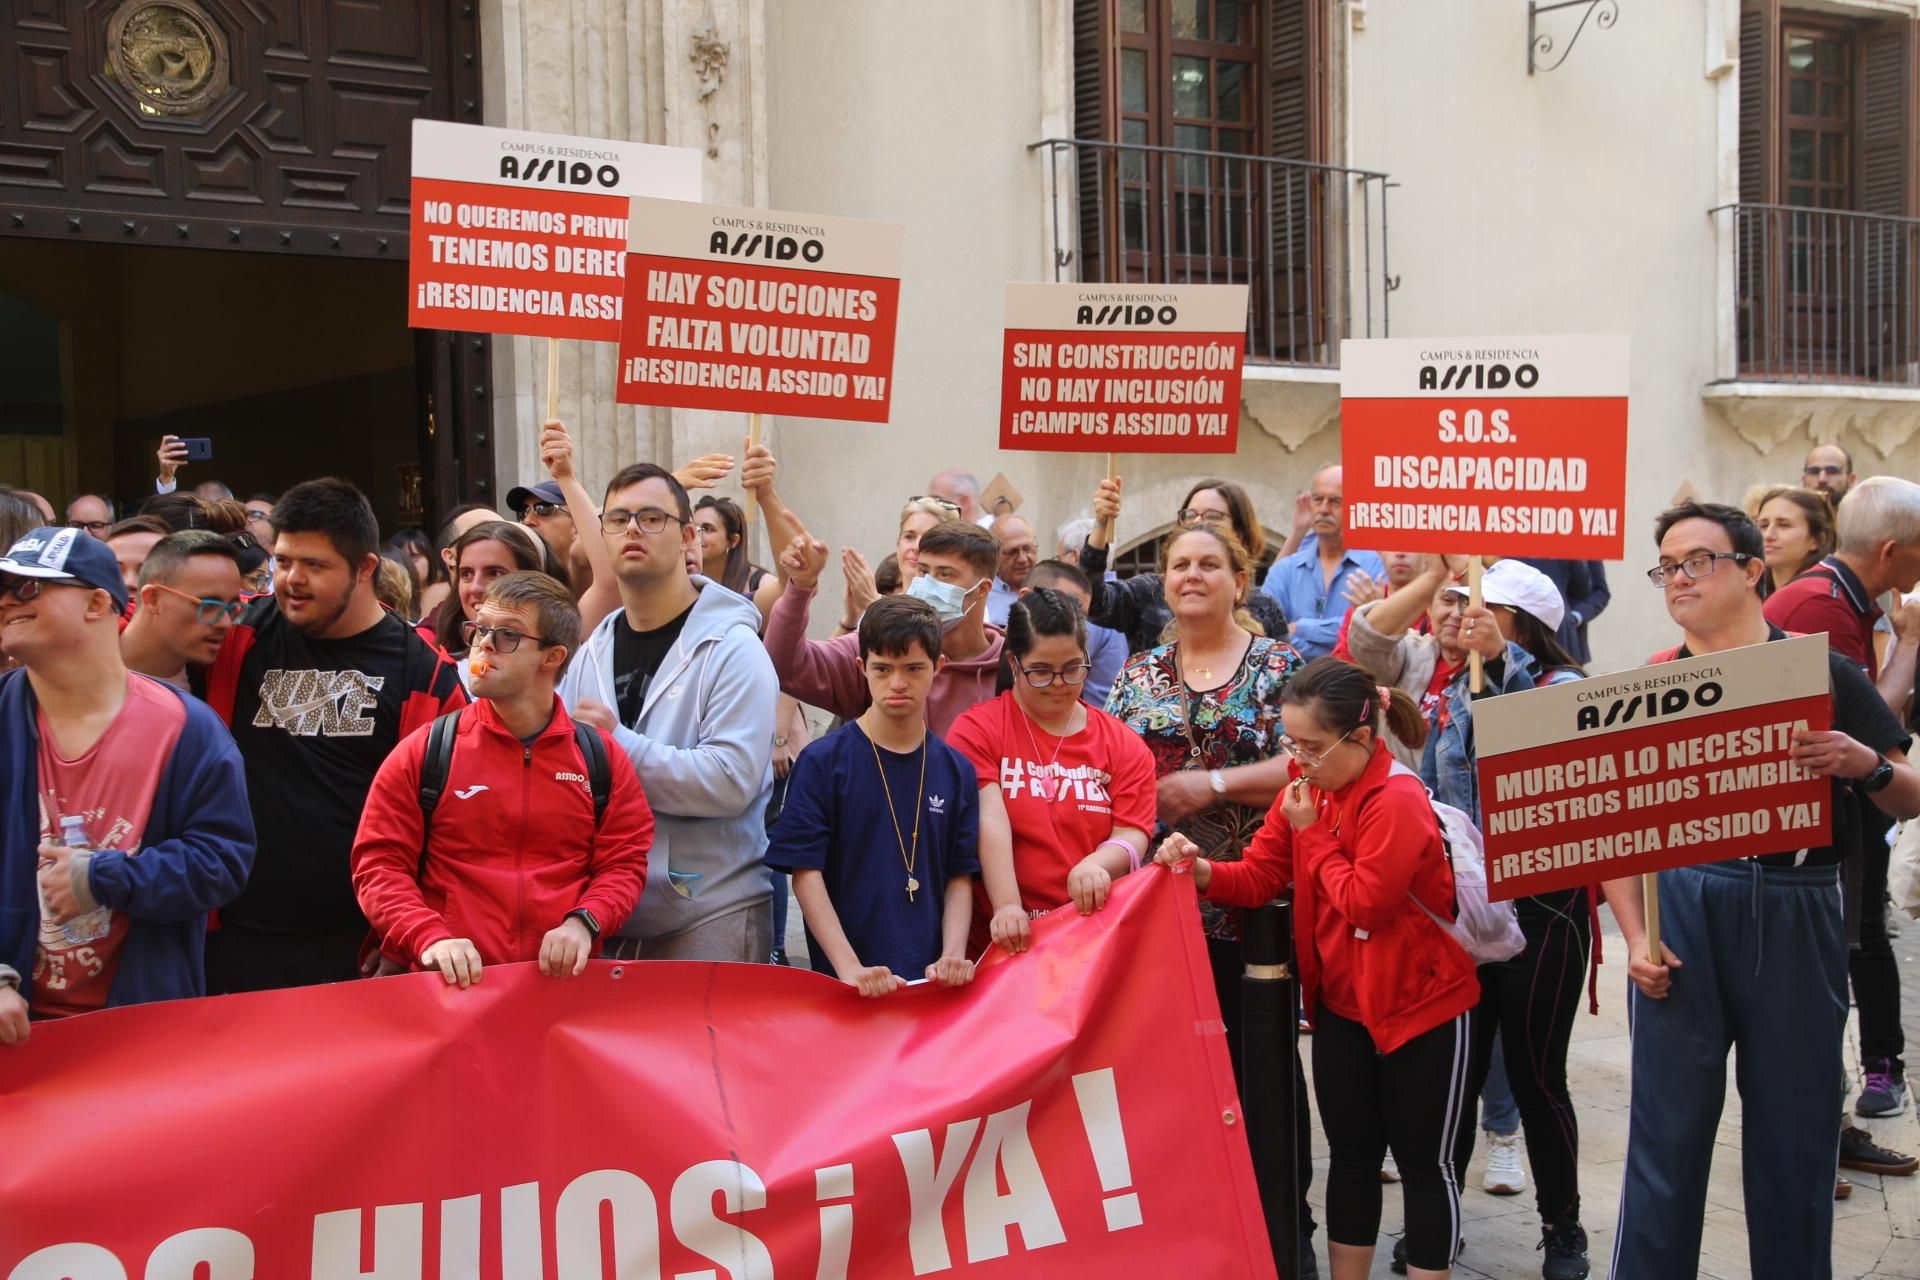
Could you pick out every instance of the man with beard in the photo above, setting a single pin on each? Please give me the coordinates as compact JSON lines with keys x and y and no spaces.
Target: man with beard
{"x":1829,"y":469}
{"x":318,"y":684}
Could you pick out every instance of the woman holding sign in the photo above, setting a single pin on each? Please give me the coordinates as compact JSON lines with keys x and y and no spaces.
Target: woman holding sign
{"x":1389,"y":989}
{"x":1138,"y":607}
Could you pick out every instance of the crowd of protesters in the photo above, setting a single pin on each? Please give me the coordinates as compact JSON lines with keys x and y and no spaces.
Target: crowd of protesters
{"x":248,"y":746}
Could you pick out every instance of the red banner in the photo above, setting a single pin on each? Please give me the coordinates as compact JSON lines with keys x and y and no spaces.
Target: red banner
{"x":1122,"y":368}
{"x":525,"y":233}
{"x":759,"y":312}
{"x":1072,"y":1113}
{"x":1495,"y":446}
{"x":1667,"y":766}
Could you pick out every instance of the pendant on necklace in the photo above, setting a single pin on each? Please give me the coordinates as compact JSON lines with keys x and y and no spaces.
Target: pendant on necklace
{"x":1045,"y":788}
{"x":1204,"y":673}
{"x":913,"y":887}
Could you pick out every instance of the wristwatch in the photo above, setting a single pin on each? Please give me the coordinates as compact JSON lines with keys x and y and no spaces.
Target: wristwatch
{"x":779,"y":739}
{"x":585,"y":917}
{"x":1879,"y":779}
{"x":1218,"y":781}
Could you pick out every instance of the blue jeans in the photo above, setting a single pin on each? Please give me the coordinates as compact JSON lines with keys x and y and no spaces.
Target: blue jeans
{"x":1499,"y":1113}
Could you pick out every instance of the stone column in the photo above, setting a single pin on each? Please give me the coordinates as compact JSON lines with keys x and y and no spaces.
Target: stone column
{"x":683,"y":73}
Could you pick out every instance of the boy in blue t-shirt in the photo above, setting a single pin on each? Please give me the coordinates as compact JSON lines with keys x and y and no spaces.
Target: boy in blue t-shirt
{"x":881,"y":828}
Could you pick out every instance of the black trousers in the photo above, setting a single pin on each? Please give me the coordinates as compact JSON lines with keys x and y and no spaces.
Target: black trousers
{"x":1532,"y":1000}
{"x":1228,"y":968}
{"x":1411,"y":1100}
{"x":1872,"y":966}
{"x":242,"y":959}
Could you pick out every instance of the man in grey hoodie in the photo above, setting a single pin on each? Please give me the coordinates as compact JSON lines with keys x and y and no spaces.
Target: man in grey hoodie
{"x":680,"y":679}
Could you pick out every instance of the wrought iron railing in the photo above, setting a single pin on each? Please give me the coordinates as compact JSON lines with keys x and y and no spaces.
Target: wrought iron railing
{"x":1824,"y":295}
{"x":1309,"y":239}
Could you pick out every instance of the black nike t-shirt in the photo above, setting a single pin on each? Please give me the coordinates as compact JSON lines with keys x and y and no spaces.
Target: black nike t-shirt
{"x":313,"y":720}
{"x":637,"y":656}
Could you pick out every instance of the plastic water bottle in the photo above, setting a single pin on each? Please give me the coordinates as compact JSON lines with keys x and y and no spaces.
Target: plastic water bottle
{"x":95,"y":924}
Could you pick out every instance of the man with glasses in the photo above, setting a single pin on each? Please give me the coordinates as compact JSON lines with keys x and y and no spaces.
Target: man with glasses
{"x":260,"y":518}
{"x":678,"y":677}
{"x":1754,"y":957}
{"x":519,"y":859}
{"x":543,"y":509}
{"x":1829,"y":468}
{"x":189,"y":600}
{"x":123,"y":814}
{"x":91,"y":512}
{"x":1018,"y":554}
{"x":1311,"y":584}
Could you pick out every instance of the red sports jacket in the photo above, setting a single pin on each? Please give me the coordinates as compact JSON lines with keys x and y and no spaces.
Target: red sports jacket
{"x":1377,"y":841}
{"x":513,"y":847}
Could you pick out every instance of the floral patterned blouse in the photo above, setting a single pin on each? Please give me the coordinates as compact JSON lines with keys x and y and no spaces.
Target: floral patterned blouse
{"x":1236,"y":724}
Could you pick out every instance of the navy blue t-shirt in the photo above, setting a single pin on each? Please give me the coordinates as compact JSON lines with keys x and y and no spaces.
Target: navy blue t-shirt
{"x":836,"y":822}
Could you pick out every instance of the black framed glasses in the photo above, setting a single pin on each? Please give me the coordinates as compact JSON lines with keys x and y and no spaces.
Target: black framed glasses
{"x":91,"y":526}
{"x":1074,"y":674}
{"x":259,"y":513}
{"x":542,"y":509}
{"x":212,"y":609}
{"x":499,"y":639}
{"x":1835,"y":472}
{"x":1187,"y":517}
{"x":650,"y":519}
{"x":1695,"y":567}
{"x":25,"y":589}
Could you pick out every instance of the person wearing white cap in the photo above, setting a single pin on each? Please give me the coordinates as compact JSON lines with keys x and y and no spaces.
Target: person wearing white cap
{"x":1529,"y":610}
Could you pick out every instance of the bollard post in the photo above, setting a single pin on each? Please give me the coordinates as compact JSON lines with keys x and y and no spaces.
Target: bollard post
{"x":1269,"y":1034}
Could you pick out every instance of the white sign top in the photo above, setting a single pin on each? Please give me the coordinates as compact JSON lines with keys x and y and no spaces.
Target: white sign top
{"x":765,"y":238}
{"x":1535,"y":368}
{"x":553,"y":161}
{"x":1124,"y":308}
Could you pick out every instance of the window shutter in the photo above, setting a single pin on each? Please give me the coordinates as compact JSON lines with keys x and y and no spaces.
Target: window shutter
{"x":1292,"y":325}
{"x":1760,"y":55}
{"x":1886,"y":142}
{"x":1095,"y":107}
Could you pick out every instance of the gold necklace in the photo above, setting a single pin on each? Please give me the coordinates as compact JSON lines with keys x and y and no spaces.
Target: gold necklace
{"x":909,"y":856}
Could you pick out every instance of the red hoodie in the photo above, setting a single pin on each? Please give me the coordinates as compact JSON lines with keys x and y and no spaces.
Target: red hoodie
{"x":514,"y":847}
{"x":1377,"y":840}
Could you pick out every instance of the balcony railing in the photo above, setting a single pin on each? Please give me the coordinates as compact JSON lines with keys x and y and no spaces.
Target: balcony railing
{"x":1824,"y":295}
{"x":1310,"y":240}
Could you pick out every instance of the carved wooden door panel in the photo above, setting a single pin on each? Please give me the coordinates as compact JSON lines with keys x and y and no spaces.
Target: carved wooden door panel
{"x":281,"y":125}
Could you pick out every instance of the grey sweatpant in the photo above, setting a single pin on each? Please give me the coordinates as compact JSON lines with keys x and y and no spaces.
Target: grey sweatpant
{"x":1763,"y":971}
{"x":741,"y":936}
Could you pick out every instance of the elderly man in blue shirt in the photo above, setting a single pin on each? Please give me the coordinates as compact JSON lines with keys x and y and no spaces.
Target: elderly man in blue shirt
{"x":1311,"y":584}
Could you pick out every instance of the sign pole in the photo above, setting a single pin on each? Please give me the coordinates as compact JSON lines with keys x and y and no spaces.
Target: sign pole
{"x":553,"y":379}
{"x":1112,"y":474}
{"x":1476,"y":676}
{"x":1650,"y":887}
{"x":753,"y":438}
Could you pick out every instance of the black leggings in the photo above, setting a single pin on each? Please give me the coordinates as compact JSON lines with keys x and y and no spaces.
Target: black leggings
{"x":1875,"y":972}
{"x":1228,"y":968}
{"x":1531,"y":1001}
{"x":1412,"y":1100}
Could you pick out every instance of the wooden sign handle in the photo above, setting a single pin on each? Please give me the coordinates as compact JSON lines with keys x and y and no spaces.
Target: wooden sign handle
{"x":1476,"y":674}
{"x":553,"y":379}
{"x":1112,"y":473}
{"x":1650,"y":892}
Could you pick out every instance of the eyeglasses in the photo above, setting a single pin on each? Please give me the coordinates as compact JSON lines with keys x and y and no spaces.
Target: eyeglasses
{"x":257,"y":513}
{"x":542,"y":509}
{"x":1308,"y":758}
{"x":212,"y":609}
{"x":1695,"y":567}
{"x":650,"y":519}
{"x":1187,"y":517}
{"x":25,"y":589}
{"x":1075,"y":674}
{"x":499,"y":639}
{"x":91,"y":526}
{"x":1824,"y":471}
{"x":938,"y":502}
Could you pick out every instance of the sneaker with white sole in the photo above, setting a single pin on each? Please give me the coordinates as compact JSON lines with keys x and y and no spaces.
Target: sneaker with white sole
{"x":1885,"y":1090}
{"x":1505,"y":1175}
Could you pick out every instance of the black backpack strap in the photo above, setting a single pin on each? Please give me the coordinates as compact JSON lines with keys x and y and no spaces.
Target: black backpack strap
{"x":593,"y":750}
{"x":435,"y":766}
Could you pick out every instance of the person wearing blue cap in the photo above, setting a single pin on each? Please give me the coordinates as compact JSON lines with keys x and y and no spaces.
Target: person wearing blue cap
{"x":123,"y":804}
{"x":543,"y":509}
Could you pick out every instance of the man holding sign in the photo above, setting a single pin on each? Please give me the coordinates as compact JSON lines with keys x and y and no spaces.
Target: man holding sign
{"x":1753,"y":955}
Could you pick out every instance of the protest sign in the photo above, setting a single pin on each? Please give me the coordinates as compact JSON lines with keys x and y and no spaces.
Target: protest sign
{"x":1665,"y":766}
{"x":525,"y":233}
{"x":653,"y":1120}
{"x":759,"y":312}
{"x":1499,"y":446}
{"x":1095,"y":368}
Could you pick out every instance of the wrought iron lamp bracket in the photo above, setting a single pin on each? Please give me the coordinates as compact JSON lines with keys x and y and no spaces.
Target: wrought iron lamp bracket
{"x":1602,"y":13}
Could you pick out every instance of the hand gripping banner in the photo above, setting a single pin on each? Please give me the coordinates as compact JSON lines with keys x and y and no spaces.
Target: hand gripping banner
{"x":1072,"y":1113}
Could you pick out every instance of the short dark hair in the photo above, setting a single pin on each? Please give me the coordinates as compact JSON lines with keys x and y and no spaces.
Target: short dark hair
{"x":1742,"y":532}
{"x":178,"y":510}
{"x":139,"y":524}
{"x":969,"y":542}
{"x":893,"y":624}
{"x":333,"y":507}
{"x":1040,"y":612}
{"x":886,"y":575}
{"x":638,"y":471}
{"x":1240,"y":512}
{"x":1342,"y":698}
{"x":552,"y":602}
{"x":1055,"y":573}
{"x":267,"y":498}
{"x":171,"y":553}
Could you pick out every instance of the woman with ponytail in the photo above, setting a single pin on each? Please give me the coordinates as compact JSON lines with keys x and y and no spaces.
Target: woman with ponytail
{"x":1066,"y":792}
{"x":1387,"y":987}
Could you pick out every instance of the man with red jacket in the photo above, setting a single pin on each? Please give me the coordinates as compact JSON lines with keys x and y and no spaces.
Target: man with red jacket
{"x":318,"y":684}
{"x":517,"y":865}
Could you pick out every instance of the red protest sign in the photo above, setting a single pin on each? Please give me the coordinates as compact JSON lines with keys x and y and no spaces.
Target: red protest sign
{"x":655,"y":1119}
{"x":1095,"y":368}
{"x":759,"y":312}
{"x":1496,"y":446}
{"x":1666,"y":766}
{"x":525,"y":233}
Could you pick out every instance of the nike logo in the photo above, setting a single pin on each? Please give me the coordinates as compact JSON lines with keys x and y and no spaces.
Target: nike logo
{"x":472,"y":791}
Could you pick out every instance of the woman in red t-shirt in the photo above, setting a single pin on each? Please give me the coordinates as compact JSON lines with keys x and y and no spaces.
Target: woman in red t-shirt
{"x":1067,"y":793}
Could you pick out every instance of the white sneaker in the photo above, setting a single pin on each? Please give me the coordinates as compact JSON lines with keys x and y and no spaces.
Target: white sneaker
{"x":1389,"y":1171}
{"x":1505,"y":1176}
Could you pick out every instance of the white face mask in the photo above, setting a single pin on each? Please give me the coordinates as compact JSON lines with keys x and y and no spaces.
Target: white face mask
{"x":948,"y":599}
